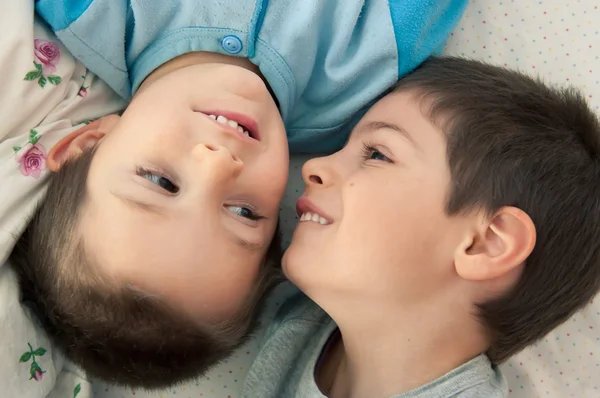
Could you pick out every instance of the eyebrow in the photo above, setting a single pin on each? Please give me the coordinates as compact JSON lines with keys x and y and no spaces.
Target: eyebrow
{"x":147,"y":207}
{"x":250,"y":246}
{"x":378,"y":125}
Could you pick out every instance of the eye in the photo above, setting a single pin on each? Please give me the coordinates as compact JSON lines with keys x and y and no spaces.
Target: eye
{"x":244,"y":212}
{"x":157,"y":179}
{"x":370,"y":152}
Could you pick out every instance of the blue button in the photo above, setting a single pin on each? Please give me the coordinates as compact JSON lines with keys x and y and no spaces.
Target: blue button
{"x":231,"y":44}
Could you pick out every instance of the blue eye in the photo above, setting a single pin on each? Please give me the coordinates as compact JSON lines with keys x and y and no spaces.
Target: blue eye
{"x":376,"y":155}
{"x":244,"y":212}
{"x":370,"y":152}
{"x":153,"y":177}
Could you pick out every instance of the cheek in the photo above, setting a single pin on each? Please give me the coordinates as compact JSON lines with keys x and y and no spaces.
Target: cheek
{"x":386,"y":221}
{"x":271,"y":175}
{"x":155,"y":118}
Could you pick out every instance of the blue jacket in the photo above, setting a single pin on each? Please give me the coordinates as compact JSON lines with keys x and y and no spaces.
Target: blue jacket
{"x":325,"y":60}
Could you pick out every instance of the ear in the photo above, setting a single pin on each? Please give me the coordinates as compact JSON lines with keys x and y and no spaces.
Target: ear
{"x":74,"y":144}
{"x":497,"y":245}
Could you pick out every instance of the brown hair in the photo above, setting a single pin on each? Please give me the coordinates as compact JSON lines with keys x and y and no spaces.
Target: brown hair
{"x":117,"y":333}
{"x":514,"y":141}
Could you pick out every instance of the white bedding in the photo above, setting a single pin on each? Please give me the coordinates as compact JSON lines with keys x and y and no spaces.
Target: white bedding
{"x":557,"y":39}
{"x":560,"y":41}
{"x":44,"y":95}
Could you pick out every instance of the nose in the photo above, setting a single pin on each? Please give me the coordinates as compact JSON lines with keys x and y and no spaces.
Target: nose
{"x":318,"y":172}
{"x":216,"y":163}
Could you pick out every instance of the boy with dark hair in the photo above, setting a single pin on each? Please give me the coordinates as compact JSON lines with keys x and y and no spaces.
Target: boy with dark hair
{"x":457,"y":226}
{"x":146,"y":260}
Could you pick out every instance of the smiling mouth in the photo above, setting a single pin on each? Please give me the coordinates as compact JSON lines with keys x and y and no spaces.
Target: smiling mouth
{"x":314,"y":217}
{"x":243,"y":125}
{"x":308,"y":211}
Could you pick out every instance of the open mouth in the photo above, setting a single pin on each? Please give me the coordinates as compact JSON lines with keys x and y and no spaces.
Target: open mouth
{"x":244,"y":125}
{"x":308,"y":211}
{"x":314,"y":217}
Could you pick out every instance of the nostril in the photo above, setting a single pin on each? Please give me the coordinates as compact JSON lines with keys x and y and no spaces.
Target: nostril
{"x":315,"y":179}
{"x":210,"y":147}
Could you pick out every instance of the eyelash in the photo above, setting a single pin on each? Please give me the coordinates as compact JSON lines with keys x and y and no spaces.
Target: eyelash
{"x":145,"y":173}
{"x":254,"y":217}
{"x":368,"y":149}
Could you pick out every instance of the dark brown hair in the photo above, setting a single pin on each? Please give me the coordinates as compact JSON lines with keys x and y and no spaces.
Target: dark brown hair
{"x":117,"y":333}
{"x":514,"y":141}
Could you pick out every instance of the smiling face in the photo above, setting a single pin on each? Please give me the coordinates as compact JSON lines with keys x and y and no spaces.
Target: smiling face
{"x":377,"y":230}
{"x":183,"y":194}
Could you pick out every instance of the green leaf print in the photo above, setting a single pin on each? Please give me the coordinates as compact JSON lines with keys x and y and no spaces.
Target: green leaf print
{"x":35,"y":371}
{"x":54,"y":80}
{"x":39,"y":352}
{"x":34,"y":367}
{"x":25,"y":357}
{"x":77,"y":390}
{"x":42,"y":81}
{"x":34,"y":74}
{"x":16,"y":148}
{"x":33,"y":139}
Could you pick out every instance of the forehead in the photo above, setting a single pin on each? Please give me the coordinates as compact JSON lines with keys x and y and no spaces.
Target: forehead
{"x":398,"y":104}
{"x":193,"y":265}
{"x":409,"y":111}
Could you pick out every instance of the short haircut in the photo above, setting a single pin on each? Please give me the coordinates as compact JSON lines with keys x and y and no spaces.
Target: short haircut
{"x":117,"y":333}
{"x":514,"y":141}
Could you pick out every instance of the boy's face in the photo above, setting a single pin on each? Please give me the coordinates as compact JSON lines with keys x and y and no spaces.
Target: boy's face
{"x":182,"y":205}
{"x":386,"y":238}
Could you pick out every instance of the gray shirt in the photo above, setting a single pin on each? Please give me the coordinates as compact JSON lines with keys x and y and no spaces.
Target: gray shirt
{"x":285,"y":365}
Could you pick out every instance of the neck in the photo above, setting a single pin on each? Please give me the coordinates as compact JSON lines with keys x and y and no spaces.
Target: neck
{"x":380,"y":356}
{"x":196,"y":58}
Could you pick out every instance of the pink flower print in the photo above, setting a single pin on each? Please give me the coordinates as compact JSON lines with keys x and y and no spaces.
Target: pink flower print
{"x":83,"y":89}
{"x":32,"y":158}
{"x":35,"y":371}
{"x":47,"y":54}
{"x":38,"y":374}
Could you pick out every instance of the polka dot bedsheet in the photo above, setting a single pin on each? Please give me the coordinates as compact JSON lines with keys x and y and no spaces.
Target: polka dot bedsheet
{"x":558,"y":40}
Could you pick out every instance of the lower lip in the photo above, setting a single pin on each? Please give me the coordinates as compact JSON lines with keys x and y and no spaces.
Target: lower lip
{"x":244,"y":120}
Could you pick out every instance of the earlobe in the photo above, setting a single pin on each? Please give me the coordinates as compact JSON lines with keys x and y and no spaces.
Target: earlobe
{"x":74,"y":144}
{"x":497,"y":246}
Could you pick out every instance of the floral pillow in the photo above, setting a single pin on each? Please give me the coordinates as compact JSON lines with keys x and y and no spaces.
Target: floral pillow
{"x":45,"y":94}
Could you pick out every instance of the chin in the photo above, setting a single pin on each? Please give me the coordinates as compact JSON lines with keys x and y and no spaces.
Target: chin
{"x":295,"y":261}
{"x":304,"y":268}
{"x":285,"y":261}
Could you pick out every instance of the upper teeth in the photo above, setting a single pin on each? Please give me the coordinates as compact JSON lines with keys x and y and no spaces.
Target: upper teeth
{"x":308,"y":216}
{"x":223,"y":120}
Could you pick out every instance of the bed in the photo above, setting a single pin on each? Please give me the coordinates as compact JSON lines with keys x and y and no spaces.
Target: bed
{"x":558,"y":40}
